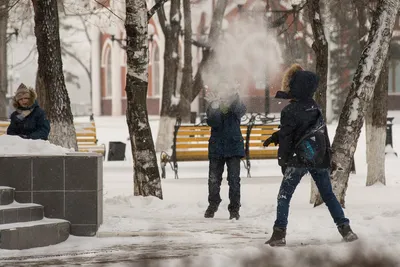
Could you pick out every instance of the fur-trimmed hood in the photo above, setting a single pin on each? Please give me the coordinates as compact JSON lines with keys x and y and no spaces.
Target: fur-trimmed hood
{"x":22,"y":89}
{"x":298,"y":83}
{"x":287,"y":76}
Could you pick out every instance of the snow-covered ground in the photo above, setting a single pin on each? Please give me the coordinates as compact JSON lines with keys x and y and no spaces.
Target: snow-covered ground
{"x":135,"y":227}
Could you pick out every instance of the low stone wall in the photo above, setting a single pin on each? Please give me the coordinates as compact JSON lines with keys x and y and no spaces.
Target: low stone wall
{"x":69,"y":187}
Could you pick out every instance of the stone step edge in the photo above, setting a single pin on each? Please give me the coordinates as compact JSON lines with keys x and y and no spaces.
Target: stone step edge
{"x":17,"y":205}
{"x":6,"y":188}
{"x":44,"y":221}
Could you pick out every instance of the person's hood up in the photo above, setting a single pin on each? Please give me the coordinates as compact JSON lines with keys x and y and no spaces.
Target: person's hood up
{"x":298,"y":84}
{"x":284,"y":93}
{"x":303,"y":85}
{"x":22,"y":89}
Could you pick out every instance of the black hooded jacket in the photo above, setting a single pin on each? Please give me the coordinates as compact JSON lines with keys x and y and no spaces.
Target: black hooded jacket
{"x":297,"y":117}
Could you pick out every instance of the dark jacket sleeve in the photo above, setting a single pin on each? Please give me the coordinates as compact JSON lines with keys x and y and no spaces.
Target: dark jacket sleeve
{"x":238,"y":108}
{"x":43,"y":127}
{"x":12,"y":128}
{"x":214,"y":116}
{"x":286,"y":137}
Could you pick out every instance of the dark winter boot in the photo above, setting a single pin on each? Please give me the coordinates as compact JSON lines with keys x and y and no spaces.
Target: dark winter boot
{"x":278,"y":238}
{"x":347,"y":233}
{"x":211,"y":210}
{"x":234,"y":215}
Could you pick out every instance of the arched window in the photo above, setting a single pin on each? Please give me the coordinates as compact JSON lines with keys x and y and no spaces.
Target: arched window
{"x":156,"y":72}
{"x":109,"y":74}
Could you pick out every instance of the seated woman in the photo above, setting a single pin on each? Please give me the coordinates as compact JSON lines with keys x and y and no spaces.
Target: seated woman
{"x":28,"y":121}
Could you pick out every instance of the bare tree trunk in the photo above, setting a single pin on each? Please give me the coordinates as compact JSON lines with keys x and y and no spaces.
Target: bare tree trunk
{"x":146,"y":177}
{"x":171,"y":65}
{"x":215,"y":31}
{"x":320,"y":47}
{"x":171,"y":58}
{"x":50,"y":83}
{"x":187,"y":76}
{"x":4,"y":4}
{"x":368,"y":71}
{"x":377,"y":133}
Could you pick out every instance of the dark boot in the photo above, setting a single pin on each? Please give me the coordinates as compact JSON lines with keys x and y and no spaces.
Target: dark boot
{"x":210,"y":211}
{"x":278,"y":238}
{"x":234,"y":215}
{"x":347,"y":234}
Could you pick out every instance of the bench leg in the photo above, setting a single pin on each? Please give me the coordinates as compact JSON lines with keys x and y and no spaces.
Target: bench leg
{"x":163,"y":170}
{"x":247,"y":166}
{"x":176,"y":171}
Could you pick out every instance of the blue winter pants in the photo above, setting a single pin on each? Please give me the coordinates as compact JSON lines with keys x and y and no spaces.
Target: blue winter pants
{"x":321,"y":177}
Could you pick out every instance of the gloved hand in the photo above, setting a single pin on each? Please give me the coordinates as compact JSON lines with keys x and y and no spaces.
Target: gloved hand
{"x":274,"y":138}
{"x":268,"y":141}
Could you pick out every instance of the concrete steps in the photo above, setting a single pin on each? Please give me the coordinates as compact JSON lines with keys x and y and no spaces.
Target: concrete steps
{"x":23,"y":226}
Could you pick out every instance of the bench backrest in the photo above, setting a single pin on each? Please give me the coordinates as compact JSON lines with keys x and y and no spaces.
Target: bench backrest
{"x":195,"y":138}
{"x":259,"y":133}
{"x":85,"y":131}
{"x":191,"y":137}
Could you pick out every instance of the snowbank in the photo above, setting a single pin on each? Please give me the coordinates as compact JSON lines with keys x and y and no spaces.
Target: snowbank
{"x":15,"y":145}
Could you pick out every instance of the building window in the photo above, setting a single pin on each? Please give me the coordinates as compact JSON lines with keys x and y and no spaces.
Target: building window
{"x":156,"y":72}
{"x":108,"y":72}
{"x":394,"y":77}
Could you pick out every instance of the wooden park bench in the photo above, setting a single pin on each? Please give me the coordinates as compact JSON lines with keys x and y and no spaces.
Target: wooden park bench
{"x":190,"y":143}
{"x":86,"y":136}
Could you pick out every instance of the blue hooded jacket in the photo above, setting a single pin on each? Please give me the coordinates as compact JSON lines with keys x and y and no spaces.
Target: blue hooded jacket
{"x":226,"y":137}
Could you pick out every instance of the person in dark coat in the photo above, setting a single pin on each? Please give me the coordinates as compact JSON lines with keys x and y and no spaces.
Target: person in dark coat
{"x":297,"y":118}
{"x":225,"y":147}
{"x":28,"y":121}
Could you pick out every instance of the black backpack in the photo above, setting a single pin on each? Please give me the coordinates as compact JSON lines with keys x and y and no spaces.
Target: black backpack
{"x":312,"y":146}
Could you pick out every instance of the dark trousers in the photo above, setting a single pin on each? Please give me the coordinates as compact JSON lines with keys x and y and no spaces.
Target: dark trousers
{"x":321,"y":177}
{"x":216,"y":169}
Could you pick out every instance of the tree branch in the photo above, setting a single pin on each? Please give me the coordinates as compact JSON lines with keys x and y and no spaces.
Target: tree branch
{"x":200,"y":44}
{"x":155,"y":8}
{"x":72,"y":55}
{"x":106,"y":7}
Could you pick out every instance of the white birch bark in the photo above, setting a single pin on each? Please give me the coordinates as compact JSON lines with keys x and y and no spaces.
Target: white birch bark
{"x":361,"y":91}
{"x":377,"y":114}
{"x":146,"y":176}
{"x":376,"y":165}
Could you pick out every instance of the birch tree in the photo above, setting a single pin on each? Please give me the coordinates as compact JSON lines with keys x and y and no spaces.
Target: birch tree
{"x":376,"y":131}
{"x":50,"y":82}
{"x":375,"y":117}
{"x":146,"y":175}
{"x":187,"y":75}
{"x":361,"y":92}
{"x":4,"y":6}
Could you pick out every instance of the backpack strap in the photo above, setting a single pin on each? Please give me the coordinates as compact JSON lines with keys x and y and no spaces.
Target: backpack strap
{"x":314,"y":128}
